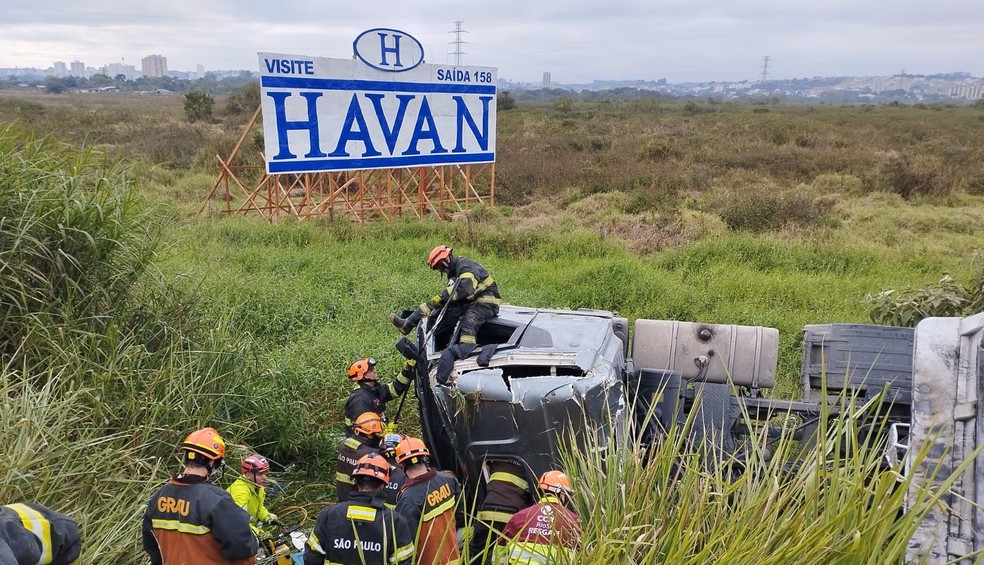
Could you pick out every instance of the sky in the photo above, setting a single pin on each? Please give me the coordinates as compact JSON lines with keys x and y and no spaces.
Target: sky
{"x":575,"y":40}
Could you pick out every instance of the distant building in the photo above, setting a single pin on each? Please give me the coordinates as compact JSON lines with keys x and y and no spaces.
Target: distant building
{"x":60,"y":69}
{"x":78,"y":69}
{"x":200,"y":71}
{"x":546,"y":79}
{"x":154,"y":66}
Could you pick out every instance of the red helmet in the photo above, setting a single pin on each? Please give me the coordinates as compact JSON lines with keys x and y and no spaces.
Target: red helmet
{"x":439,"y":258}
{"x":411,"y":448}
{"x":357,"y":371}
{"x":372,"y":465}
{"x":205,"y":442}
{"x":368,"y":424}
{"x":255,"y":463}
{"x":555,"y":482}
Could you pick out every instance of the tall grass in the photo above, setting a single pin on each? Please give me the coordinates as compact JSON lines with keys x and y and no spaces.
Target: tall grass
{"x":105,"y":366}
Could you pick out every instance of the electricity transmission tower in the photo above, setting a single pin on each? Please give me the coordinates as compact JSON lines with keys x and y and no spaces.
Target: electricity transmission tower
{"x":765,"y":68}
{"x":458,"y":42}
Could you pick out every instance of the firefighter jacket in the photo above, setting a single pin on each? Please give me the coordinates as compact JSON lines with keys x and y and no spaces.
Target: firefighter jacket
{"x":397,"y":478}
{"x":350,"y":450}
{"x":428,"y":502}
{"x":249,"y":497}
{"x":359,"y":531}
{"x":506,"y":492}
{"x":189,"y":521}
{"x":468,"y":283}
{"x":31,"y":534}
{"x":373,"y":397}
{"x":546,"y":532}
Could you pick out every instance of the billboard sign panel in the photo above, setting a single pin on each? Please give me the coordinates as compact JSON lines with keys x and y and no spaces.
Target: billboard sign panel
{"x":384,"y":108}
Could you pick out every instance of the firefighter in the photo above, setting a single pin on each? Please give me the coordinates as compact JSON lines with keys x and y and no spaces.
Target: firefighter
{"x":371,"y":396}
{"x":189,"y":520}
{"x":428,"y":501}
{"x":248,"y":493}
{"x":506,"y":492}
{"x":361,"y":530}
{"x":472,"y":297}
{"x":368,"y":429}
{"x":397,"y":477}
{"x":31,"y":534}
{"x":547,"y":532}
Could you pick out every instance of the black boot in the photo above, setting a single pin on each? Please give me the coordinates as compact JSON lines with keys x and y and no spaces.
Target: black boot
{"x":406,"y":325}
{"x":449,"y":356}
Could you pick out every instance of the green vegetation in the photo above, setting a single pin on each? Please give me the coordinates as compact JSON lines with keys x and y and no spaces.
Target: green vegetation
{"x":127,"y":321}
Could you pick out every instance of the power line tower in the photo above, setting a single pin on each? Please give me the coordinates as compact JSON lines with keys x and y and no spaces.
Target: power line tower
{"x":458,"y":42}
{"x":765,"y":68}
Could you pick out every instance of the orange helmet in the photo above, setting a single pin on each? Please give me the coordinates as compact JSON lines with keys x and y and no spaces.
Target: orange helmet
{"x":205,"y":442}
{"x":411,"y":448}
{"x":368,"y":424}
{"x":372,"y":465}
{"x":255,"y":463}
{"x":439,"y":258}
{"x":555,"y":482}
{"x":357,"y":371}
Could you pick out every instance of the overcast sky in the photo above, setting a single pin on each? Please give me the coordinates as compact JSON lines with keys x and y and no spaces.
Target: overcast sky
{"x":575,"y":40}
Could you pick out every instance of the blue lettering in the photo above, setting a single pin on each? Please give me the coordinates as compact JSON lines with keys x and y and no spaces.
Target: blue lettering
{"x":465,"y":116}
{"x":354,"y":117}
{"x":288,"y":66}
{"x":390,"y":133}
{"x":425,"y":115}
{"x":283,"y":125}
{"x":395,"y":49}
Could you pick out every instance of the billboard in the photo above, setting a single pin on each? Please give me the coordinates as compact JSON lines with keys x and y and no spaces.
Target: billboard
{"x":384,"y":108}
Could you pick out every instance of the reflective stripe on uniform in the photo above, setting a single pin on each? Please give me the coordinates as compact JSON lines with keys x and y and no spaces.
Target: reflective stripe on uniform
{"x":344,"y":478}
{"x":177,"y":526}
{"x":361,"y":513}
{"x":315,"y":544}
{"x":402,"y":554}
{"x":38,"y":525}
{"x":510,"y":478}
{"x":437,"y":511}
{"x":493,"y":516}
{"x":352,"y":443}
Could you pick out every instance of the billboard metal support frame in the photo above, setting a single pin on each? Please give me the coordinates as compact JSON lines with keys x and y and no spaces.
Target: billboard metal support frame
{"x":361,"y":195}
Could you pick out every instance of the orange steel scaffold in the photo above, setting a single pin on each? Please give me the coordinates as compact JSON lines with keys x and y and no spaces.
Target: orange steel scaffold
{"x":360,"y":195}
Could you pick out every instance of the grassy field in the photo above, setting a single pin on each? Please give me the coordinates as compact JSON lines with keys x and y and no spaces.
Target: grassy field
{"x":746,"y":214}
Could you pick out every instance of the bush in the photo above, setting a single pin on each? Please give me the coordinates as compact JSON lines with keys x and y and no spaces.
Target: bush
{"x":198,"y":106}
{"x":505,"y":101}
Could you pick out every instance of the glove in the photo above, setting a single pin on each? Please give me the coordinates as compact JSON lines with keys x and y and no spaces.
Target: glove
{"x":273,"y":520}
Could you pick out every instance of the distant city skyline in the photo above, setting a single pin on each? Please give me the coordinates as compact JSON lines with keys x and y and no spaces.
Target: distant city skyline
{"x":575,"y":41}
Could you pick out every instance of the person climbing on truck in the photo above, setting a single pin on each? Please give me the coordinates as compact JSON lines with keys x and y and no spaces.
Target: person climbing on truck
{"x":547,"y":532}
{"x":368,"y":430}
{"x":249,"y":493}
{"x":370,"y":395}
{"x":471,"y":297}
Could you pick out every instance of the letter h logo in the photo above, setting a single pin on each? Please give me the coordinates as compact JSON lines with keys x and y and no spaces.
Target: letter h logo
{"x":384,"y":49}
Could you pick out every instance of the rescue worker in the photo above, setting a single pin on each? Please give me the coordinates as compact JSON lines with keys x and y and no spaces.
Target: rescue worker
{"x":547,"y":532}
{"x":189,"y":520}
{"x":248,"y":493}
{"x":506,"y":492}
{"x":361,"y":530}
{"x":428,"y":501}
{"x":368,"y":430}
{"x":371,"y":396}
{"x":31,"y":534}
{"x":397,"y":476}
{"x":471,"y":296}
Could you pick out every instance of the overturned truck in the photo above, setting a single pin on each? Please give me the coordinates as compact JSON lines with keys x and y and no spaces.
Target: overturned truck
{"x":542,"y":376}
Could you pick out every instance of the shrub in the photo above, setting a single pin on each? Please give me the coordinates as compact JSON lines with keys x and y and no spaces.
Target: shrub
{"x":198,"y":106}
{"x":910,"y":176}
{"x":505,"y":101}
